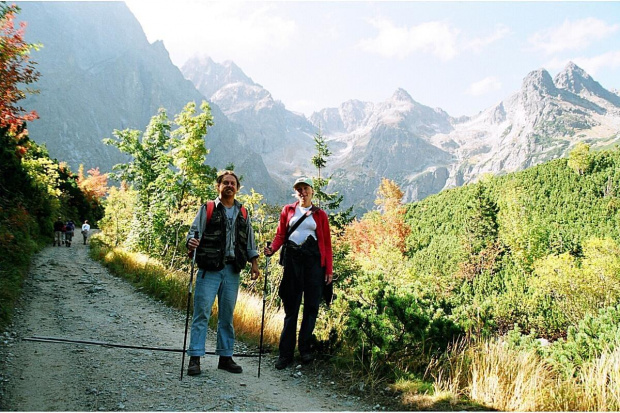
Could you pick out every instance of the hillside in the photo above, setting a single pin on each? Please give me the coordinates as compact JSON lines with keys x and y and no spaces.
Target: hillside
{"x":497,"y":236}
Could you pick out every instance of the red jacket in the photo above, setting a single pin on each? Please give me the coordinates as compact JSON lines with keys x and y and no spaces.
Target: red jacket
{"x":322,"y":233}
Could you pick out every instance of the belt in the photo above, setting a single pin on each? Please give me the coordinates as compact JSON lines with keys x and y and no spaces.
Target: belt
{"x":229,"y":260}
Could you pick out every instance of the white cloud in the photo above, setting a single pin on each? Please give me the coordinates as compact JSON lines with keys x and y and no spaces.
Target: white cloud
{"x":572,"y":35}
{"x":479,"y":43}
{"x":592,"y":65}
{"x":224,"y":30}
{"x":484,"y":86}
{"x":436,"y":38}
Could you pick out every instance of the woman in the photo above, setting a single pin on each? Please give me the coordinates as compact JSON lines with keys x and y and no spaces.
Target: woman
{"x":303,"y":233}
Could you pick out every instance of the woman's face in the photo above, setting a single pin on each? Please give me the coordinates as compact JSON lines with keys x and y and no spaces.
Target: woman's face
{"x":304,"y":194}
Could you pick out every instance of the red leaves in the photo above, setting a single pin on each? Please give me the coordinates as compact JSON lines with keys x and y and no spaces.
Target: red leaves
{"x":15,"y":69}
{"x":95,"y":185}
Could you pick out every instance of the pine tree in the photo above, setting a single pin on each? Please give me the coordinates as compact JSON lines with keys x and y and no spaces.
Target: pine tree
{"x":332,"y":200}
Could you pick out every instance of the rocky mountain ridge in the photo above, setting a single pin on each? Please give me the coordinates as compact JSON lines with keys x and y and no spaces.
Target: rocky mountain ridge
{"x":424,"y":149}
{"x":99,"y":73}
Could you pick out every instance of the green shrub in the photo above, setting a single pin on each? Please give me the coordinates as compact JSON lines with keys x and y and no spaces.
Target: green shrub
{"x":397,"y":328}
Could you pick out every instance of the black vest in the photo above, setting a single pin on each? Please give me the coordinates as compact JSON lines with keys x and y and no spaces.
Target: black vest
{"x":211,"y":251}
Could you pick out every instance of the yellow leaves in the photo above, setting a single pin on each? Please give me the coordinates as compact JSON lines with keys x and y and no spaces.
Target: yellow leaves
{"x":45,"y":173}
{"x":389,"y":196}
{"x":578,"y":287}
{"x":579,"y":158}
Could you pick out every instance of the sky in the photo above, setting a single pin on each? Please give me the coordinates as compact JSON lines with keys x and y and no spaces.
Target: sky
{"x":462,"y":57}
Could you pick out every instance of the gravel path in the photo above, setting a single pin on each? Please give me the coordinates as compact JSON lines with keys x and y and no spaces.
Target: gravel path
{"x":69,"y":295}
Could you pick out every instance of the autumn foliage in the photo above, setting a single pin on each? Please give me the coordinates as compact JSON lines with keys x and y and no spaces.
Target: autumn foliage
{"x":95,"y":185}
{"x":384,"y":228}
{"x":16,"y":70}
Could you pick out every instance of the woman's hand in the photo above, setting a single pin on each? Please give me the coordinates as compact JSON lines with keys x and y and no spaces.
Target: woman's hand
{"x":328,"y":278}
{"x":268,"y":251}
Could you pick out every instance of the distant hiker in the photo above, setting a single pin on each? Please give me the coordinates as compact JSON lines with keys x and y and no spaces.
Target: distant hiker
{"x":85,"y":230}
{"x":225,"y":245}
{"x":58,"y":231}
{"x":304,"y":235}
{"x":69,"y":228}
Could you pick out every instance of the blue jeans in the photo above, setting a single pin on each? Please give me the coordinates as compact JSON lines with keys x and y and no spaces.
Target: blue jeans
{"x":225,"y":285}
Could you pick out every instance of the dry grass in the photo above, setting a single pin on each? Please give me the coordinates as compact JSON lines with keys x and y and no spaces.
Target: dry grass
{"x":171,"y":287}
{"x":501,"y":378}
{"x":509,"y":380}
{"x":248,"y":317}
{"x":597,"y":386}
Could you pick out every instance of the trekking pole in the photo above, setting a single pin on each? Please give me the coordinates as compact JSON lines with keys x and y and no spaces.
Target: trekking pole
{"x":262,"y":324}
{"x":189,"y":298}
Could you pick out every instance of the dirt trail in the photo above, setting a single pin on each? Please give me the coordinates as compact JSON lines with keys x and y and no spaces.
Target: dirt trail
{"x":69,"y":295}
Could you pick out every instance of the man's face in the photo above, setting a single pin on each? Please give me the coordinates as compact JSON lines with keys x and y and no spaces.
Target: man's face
{"x":228,"y":186}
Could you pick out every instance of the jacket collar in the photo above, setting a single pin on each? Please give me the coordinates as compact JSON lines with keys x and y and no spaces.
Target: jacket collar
{"x":218,"y":201}
{"x":314,"y":208}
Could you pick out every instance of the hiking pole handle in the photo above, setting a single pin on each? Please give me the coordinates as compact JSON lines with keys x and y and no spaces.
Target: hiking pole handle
{"x":267,"y":259}
{"x":191,"y":276}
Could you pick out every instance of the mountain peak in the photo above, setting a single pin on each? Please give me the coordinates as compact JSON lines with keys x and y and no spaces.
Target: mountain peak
{"x":402,"y":95}
{"x":577,"y":81}
{"x":209,"y":76}
{"x":574,"y":79}
{"x":539,"y":82}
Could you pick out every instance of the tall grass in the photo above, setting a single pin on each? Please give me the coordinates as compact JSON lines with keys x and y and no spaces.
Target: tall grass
{"x":598,"y":383}
{"x":171,"y":288}
{"x":494,"y":375}
{"x":248,"y":317}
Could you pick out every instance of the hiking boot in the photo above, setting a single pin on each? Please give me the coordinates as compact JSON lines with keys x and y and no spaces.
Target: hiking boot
{"x":194,"y":366}
{"x":227,"y":363}
{"x":283,"y":363}
{"x":307,"y":358}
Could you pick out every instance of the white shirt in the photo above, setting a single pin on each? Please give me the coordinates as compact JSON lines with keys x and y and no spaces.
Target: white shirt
{"x":305,"y":229}
{"x":85,"y":227}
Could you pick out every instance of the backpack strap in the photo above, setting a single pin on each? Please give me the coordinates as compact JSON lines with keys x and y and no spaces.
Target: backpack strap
{"x":298,"y":223}
{"x":210,"y":205}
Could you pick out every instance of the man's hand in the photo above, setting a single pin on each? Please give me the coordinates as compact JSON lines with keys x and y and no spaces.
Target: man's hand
{"x":255,"y":272}
{"x":192,"y":244}
{"x":328,"y":278}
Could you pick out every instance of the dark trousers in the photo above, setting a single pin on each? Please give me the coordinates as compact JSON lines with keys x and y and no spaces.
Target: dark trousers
{"x":303,"y":277}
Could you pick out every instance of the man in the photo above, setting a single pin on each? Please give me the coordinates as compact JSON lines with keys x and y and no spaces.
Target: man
{"x":58,"y":231}
{"x":69,"y":228}
{"x":224,"y":246}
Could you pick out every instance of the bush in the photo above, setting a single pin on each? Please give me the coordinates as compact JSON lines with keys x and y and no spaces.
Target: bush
{"x":584,"y":343}
{"x":397,"y":327}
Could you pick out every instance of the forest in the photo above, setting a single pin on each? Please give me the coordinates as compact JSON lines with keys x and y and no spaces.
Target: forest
{"x":501,"y":294}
